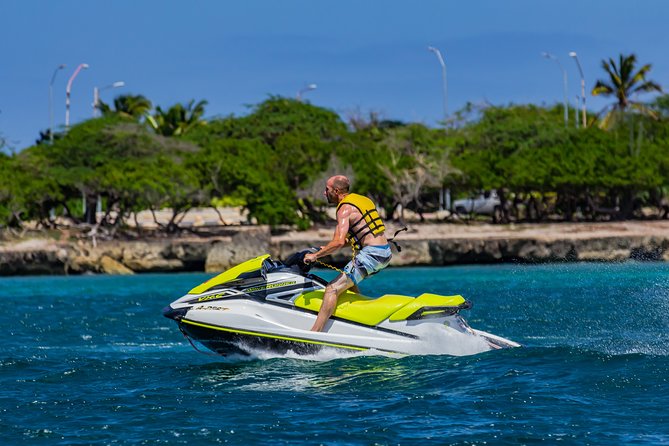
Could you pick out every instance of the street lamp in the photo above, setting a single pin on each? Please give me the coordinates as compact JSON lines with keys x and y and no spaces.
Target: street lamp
{"x":564,"y":86}
{"x":444,"y":193}
{"x":443,"y":78}
{"x":53,"y":78}
{"x":67,"y":93}
{"x":575,"y":56}
{"x":304,"y":90}
{"x":96,"y":94}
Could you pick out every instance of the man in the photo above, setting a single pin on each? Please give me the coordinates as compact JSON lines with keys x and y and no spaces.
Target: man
{"x":359,"y":223}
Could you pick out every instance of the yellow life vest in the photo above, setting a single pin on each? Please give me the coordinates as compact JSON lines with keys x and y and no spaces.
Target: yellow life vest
{"x":369,"y":223}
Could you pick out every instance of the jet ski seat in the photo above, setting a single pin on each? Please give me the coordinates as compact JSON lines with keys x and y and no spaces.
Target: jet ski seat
{"x":356,"y":307}
{"x":370,"y":311}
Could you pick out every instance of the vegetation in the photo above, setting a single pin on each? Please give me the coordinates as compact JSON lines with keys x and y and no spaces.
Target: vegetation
{"x":274,"y":161}
{"x":134,"y":107}
{"x":624,"y":84}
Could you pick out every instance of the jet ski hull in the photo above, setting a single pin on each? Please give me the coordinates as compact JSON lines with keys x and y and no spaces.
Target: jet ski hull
{"x":228,"y":341}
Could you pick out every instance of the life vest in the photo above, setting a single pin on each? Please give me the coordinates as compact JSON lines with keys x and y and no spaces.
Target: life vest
{"x":369,"y":223}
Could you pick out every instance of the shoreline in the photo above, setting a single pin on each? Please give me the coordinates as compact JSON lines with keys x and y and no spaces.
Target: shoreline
{"x":423,"y":244}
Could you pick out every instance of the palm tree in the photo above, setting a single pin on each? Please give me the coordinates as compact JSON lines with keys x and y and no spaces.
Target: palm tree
{"x":130,"y":106}
{"x":623,"y":83}
{"x":177,"y":120}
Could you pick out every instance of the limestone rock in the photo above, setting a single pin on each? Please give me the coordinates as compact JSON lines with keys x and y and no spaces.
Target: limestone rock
{"x":456,"y":251}
{"x":414,"y":252}
{"x":239,"y":244}
{"x":150,"y":257}
{"x":612,"y":255}
{"x":533,"y":251}
{"x":283,"y":249}
{"x":113,"y":250}
{"x":192,"y":254}
{"x":41,"y":261}
{"x":82,"y":264}
{"x":242,"y":247}
{"x":111,"y":266}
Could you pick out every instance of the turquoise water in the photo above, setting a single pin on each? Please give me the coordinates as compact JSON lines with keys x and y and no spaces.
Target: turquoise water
{"x":91,"y":360}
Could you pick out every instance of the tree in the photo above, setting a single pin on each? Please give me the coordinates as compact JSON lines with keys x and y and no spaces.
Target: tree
{"x":302,"y":135}
{"x":409,"y":157}
{"x":108,"y":157}
{"x":281,"y":147}
{"x":661,"y":106}
{"x":27,"y":190}
{"x":623,"y":84}
{"x":128,"y":106}
{"x":244,"y":169}
{"x":178,"y":119}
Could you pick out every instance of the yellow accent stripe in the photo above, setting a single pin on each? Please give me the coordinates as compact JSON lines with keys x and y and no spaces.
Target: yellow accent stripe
{"x":265,"y":335}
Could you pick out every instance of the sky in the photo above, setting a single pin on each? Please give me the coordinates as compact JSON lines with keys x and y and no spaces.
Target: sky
{"x":363,"y":56}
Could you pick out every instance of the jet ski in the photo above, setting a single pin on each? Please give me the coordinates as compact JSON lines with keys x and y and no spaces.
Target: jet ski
{"x":269,"y":305}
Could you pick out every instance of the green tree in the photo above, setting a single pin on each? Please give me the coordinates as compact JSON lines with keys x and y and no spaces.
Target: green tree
{"x":104,"y":158}
{"x":27,"y":190}
{"x":623,"y":83}
{"x":179,"y":119}
{"x":661,"y":106}
{"x":130,"y":106}
{"x":293,"y":142}
{"x":244,"y":169}
{"x":517,"y":150}
{"x":411,"y":162}
{"x":303,"y":136}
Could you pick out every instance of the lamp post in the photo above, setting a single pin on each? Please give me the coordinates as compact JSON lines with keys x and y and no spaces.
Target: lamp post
{"x":580,"y":70}
{"x":564,"y":87}
{"x":67,"y":93}
{"x":53,"y":78}
{"x":444,"y":193}
{"x":96,"y":103}
{"x":304,"y":90}
{"x":443,"y":78}
{"x":96,"y":94}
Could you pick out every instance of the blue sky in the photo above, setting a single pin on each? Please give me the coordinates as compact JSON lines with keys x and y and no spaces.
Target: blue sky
{"x":364,"y":56}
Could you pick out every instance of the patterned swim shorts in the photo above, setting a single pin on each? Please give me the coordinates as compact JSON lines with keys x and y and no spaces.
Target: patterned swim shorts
{"x":369,"y":260}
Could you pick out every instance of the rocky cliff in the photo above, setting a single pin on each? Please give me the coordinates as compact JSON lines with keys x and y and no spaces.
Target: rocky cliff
{"x":426,"y":247}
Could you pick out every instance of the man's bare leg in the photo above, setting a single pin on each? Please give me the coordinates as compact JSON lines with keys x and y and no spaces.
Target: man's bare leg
{"x":332,"y":292}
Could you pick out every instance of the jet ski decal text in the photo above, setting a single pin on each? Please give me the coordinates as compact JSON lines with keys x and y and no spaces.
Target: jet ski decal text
{"x":211,"y":307}
{"x":269,"y":286}
{"x":218,"y":295}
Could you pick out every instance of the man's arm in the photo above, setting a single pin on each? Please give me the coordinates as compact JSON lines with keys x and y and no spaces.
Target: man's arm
{"x":338,"y":239}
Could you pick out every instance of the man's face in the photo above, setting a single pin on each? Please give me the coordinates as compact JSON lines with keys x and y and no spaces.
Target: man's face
{"x":330,"y":194}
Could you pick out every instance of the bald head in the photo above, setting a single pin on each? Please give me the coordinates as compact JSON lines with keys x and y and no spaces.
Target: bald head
{"x":336,"y":188}
{"x":340,"y":182}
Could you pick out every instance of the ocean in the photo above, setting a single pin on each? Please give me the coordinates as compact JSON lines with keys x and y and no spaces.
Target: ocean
{"x":91,"y":360}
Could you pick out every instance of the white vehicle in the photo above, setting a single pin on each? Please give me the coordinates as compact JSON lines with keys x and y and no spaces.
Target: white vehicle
{"x":487,"y":203}
{"x":265,"y":304}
